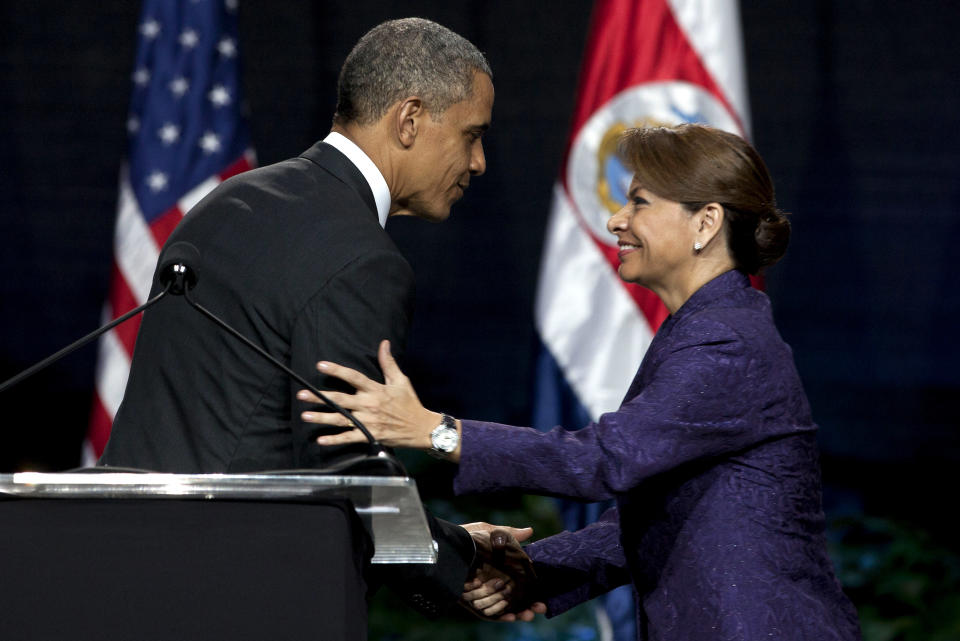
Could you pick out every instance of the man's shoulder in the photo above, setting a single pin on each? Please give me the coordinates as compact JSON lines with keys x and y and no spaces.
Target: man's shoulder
{"x":289,"y":189}
{"x":290,"y":178}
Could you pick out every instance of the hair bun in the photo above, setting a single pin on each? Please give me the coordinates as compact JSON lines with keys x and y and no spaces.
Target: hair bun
{"x":772,"y":237}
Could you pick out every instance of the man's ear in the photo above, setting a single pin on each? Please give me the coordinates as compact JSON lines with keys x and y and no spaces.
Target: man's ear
{"x":409,"y":113}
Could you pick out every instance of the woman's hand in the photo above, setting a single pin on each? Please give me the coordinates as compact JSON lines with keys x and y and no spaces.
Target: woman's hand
{"x":489,"y":595}
{"x":503,"y":585}
{"x":392,"y":412}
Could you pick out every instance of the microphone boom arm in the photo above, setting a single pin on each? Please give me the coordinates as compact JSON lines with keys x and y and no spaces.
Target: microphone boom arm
{"x":49,"y":360}
{"x":374,"y":443}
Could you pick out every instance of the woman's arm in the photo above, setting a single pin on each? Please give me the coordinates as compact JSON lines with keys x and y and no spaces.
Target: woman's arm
{"x":710,"y":396}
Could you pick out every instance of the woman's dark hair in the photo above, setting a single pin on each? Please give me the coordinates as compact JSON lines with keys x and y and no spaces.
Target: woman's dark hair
{"x":695,"y":165}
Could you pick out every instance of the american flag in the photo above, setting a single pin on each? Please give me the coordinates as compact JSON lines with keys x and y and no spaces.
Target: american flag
{"x":186,"y":135}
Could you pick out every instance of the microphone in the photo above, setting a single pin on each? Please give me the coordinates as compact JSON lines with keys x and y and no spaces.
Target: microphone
{"x":179,"y":269}
{"x":178,"y":274}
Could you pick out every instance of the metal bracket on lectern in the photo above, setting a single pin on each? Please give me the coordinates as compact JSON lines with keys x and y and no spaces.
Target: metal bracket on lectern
{"x":389,"y":506}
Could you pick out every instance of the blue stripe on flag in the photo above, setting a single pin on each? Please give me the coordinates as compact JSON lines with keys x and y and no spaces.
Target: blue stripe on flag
{"x":555,"y":402}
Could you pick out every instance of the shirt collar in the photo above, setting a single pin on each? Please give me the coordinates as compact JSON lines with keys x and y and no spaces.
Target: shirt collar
{"x":381,"y":192}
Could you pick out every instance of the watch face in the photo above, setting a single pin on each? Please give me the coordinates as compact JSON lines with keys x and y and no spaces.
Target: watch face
{"x":445,"y":440}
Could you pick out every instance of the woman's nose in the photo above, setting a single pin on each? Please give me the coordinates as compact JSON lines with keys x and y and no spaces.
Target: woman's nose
{"x":618,"y":221}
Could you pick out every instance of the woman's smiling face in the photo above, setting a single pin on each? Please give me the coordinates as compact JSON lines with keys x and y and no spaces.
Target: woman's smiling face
{"x":655,"y":236}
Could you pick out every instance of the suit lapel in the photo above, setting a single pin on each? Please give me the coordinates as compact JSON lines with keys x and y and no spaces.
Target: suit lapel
{"x":328,"y":158}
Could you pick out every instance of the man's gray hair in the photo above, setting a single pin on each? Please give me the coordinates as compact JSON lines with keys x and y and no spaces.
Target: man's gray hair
{"x":406,"y":57}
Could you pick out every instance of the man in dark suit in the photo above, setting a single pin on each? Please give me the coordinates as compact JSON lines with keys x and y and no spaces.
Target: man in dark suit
{"x":295,"y":257}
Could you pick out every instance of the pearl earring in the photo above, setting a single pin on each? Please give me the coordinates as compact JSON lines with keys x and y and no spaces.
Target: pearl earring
{"x":697,"y":246}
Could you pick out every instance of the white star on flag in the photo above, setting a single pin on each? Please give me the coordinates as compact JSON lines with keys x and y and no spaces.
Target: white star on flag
{"x":133,"y":125}
{"x":227,"y":48}
{"x":141,"y":76}
{"x":231,"y":5}
{"x":179,"y":86}
{"x":189,"y":38}
{"x":219,"y":96}
{"x":169,"y":133}
{"x":157,"y":181}
{"x":150,"y":29}
{"x":210,"y":142}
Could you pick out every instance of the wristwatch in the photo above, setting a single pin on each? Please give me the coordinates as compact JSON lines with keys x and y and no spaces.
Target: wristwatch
{"x":444,"y":437}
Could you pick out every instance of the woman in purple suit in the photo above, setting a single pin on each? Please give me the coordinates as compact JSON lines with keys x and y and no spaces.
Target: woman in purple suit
{"x":711,"y":457}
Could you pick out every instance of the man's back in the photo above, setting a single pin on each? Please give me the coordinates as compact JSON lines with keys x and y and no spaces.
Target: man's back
{"x":293,"y":256}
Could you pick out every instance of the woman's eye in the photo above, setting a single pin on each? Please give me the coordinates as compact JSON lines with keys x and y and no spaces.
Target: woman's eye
{"x":637,"y":200}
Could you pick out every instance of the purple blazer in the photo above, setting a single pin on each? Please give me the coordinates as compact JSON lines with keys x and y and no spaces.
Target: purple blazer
{"x":713,"y":462}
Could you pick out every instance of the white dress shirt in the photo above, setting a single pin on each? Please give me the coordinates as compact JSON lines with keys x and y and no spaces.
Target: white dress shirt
{"x":381,"y":193}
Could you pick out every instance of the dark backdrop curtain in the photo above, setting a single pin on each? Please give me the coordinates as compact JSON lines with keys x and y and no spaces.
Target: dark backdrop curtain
{"x":854,"y":107}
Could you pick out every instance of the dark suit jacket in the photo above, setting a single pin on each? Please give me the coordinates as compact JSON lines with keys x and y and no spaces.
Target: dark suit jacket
{"x":293,"y":256}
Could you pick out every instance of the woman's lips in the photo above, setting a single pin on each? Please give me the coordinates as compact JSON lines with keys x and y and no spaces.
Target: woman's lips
{"x":626,"y":249}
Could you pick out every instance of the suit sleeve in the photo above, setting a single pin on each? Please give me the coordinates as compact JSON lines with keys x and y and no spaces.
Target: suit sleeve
{"x":434,"y":589}
{"x":369,"y":300}
{"x":701,"y":402}
{"x":366,"y":301}
{"x":574,"y":567}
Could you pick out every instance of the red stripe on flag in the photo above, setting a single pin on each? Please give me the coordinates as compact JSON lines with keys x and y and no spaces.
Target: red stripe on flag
{"x":162,"y":227}
{"x":648,"y":302}
{"x":122,"y":301}
{"x":632,"y":43}
{"x":238,"y":166}
{"x":98,"y":431}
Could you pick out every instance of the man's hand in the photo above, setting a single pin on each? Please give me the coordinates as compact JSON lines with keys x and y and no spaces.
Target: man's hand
{"x":502,"y":587}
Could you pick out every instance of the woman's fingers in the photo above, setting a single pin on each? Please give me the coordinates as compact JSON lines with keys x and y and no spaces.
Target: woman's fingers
{"x":308,"y":396}
{"x":493,"y":600}
{"x":519,"y":533}
{"x":353,"y":436}
{"x":333,"y":419}
{"x":491,"y":597}
{"x":472,"y":584}
{"x":495,"y":609}
{"x":392,"y":412}
{"x":342,"y":399}
{"x":391,"y":371}
{"x":484,"y":590}
{"x":351,"y":376}
{"x":526,"y":615}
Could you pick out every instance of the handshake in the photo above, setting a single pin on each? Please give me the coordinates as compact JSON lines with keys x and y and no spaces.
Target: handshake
{"x":503,"y":584}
